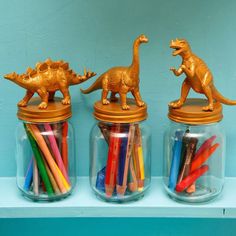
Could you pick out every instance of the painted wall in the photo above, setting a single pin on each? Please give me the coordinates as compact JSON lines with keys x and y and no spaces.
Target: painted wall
{"x":99,"y":35}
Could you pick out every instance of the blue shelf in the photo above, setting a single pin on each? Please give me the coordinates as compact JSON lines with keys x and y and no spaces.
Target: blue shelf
{"x":83,"y":203}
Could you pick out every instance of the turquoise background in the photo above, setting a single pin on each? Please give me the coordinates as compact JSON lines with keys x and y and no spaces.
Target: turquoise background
{"x":99,"y":35}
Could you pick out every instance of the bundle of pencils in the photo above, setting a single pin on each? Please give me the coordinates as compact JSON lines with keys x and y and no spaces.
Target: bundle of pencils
{"x":47,"y":171}
{"x":124,"y":171}
{"x":188,"y":164}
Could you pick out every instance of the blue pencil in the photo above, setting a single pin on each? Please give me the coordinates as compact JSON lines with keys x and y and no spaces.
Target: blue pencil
{"x":174,"y":170}
{"x":29,"y":176}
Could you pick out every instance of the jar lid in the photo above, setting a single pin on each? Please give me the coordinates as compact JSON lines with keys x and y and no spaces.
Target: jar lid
{"x":55,"y":111}
{"x":115,"y":114}
{"x":191,"y":112}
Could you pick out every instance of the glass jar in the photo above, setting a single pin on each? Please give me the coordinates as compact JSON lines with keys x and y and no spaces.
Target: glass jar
{"x":46,"y":166}
{"x":194,"y":146}
{"x":120,"y":153}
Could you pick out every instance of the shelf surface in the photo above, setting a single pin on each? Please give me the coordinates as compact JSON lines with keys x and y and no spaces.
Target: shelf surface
{"x":83,"y":203}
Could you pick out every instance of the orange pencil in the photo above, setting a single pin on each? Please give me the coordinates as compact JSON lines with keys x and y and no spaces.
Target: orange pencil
{"x":196,"y":163}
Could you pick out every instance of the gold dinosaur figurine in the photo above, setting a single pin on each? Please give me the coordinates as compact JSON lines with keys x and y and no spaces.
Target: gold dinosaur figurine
{"x":198,"y":76}
{"x":45,"y":79}
{"x":121,"y":80}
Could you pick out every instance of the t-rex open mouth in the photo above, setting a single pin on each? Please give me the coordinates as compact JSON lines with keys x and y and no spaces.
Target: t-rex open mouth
{"x":176,"y":51}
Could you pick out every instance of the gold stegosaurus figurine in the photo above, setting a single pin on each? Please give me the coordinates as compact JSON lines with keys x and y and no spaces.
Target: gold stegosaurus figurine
{"x":46,"y":79}
{"x":121,"y":80}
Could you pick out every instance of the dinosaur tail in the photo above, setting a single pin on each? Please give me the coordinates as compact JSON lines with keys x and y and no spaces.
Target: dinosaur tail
{"x":95,"y":86}
{"x":220,"y":98}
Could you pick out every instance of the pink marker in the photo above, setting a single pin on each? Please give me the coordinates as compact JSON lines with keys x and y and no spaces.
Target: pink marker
{"x":204,"y":146}
{"x":56,"y":151}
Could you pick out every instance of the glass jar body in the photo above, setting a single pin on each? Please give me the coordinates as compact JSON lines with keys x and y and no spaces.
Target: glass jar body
{"x":194,"y":158}
{"x":120,"y":160}
{"x":46,"y":165}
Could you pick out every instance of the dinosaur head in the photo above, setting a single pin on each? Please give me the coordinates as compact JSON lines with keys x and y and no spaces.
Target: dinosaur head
{"x":12,"y":76}
{"x":181,"y":47}
{"x":142,"y":38}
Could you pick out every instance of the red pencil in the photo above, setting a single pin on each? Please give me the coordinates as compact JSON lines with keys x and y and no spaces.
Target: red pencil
{"x":204,"y":146}
{"x":190,"y":179}
{"x":203,"y":157}
{"x":112,"y":160}
{"x":64,"y":145}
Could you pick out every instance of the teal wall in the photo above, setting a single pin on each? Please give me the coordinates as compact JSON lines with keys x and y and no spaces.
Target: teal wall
{"x":99,"y":35}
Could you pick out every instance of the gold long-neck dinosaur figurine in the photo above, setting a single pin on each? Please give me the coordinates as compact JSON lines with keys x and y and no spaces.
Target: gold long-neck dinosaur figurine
{"x":121,"y":80}
{"x":198,"y":76}
{"x":46,"y":79}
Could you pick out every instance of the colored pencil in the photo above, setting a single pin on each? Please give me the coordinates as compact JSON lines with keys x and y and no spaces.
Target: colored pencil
{"x":50,"y":175}
{"x":35,"y":178}
{"x":206,"y":145}
{"x":175,"y":163}
{"x":55,"y":150}
{"x":138,"y":158}
{"x":112,"y":160}
{"x":188,"y":158}
{"x":61,"y":181}
{"x":203,"y":157}
{"x":125,"y":154}
{"x":187,"y":181}
{"x":28,"y":176}
{"x":40,"y":164}
{"x":64,"y":145}
{"x":132,"y":179}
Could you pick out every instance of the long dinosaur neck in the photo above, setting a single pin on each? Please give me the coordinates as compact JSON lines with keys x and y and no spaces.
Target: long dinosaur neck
{"x":135,"y":63}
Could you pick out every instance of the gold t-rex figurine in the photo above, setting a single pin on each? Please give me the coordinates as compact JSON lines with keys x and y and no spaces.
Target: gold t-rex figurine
{"x":121,"y":79}
{"x":198,"y":76}
{"x":45,"y":79}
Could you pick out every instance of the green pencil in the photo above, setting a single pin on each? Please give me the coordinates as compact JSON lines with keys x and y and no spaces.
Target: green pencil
{"x":40,"y":163}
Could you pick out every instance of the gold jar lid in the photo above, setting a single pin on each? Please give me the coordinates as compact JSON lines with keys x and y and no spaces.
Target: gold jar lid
{"x":55,"y":111}
{"x":113,"y":112}
{"x":191,"y":112}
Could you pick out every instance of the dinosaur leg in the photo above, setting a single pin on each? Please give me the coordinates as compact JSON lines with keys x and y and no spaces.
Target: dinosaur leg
{"x":26,"y":99}
{"x":123,"y":101}
{"x":184,"y":93}
{"x":123,"y":92}
{"x":65,"y":91}
{"x":51,"y":96}
{"x":105,"y":91}
{"x":137,"y":97}
{"x":42,"y":92}
{"x":207,"y":91}
{"x":113,"y":97}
